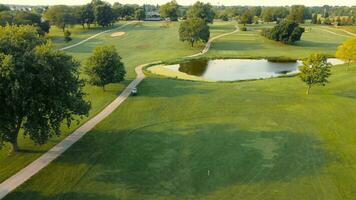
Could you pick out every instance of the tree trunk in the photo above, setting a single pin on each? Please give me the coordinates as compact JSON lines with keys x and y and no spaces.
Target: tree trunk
{"x":104,"y":88}
{"x":308,"y":90}
{"x":192,"y":43}
{"x":15,"y":147}
{"x":348,"y":65}
{"x":13,"y":140}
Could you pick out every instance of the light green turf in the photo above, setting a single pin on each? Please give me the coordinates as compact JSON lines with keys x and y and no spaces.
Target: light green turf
{"x":192,"y":140}
{"x":251,"y":44}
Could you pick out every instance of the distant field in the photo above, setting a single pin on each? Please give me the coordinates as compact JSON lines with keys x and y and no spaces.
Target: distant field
{"x":179,"y":139}
{"x":352,"y":29}
{"x":251,"y":44}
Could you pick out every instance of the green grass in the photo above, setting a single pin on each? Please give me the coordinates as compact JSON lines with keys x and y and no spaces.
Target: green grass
{"x":143,"y":43}
{"x":259,"y":140}
{"x":192,"y":140}
{"x":251,"y":44}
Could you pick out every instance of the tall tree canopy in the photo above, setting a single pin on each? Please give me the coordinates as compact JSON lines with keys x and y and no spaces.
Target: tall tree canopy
{"x":315,"y":71}
{"x":347,"y":51}
{"x":104,"y":15}
{"x":202,"y":11}
{"x":105,"y":67}
{"x":60,"y":16}
{"x":298,"y":13}
{"x":193,"y":30}
{"x":287,"y":32}
{"x":170,"y":10}
{"x":39,"y":87}
{"x":140,"y":14}
{"x":4,"y":8}
{"x":246,"y":18}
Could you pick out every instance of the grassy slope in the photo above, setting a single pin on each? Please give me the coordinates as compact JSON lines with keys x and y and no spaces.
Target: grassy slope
{"x":141,"y":44}
{"x":192,"y":140}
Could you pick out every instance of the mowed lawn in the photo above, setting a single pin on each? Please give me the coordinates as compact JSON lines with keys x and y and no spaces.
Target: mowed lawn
{"x":143,"y":43}
{"x":250,"y":44}
{"x":179,"y":139}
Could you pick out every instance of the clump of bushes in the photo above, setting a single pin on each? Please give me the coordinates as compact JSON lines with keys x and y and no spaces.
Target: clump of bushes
{"x":286,"y":32}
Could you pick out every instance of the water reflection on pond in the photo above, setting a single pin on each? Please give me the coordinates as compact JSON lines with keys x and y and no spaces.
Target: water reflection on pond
{"x":238,"y":69}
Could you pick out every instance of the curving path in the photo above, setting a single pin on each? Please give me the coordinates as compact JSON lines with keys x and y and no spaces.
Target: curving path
{"x":208,"y":44}
{"x":26,"y":173}
{"x":94,"y":36}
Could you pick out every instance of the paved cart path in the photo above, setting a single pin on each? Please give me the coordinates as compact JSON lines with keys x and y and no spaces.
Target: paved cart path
{"x":26,"y":173}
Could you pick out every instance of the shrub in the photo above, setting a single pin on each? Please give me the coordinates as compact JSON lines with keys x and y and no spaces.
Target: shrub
{"x":287,"y":32}
{"x":67,"y":35}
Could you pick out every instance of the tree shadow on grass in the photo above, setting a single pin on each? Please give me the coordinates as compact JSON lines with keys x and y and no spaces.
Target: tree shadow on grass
{"x":169,"y":87}
{"x":348,"y":93}
{"x":201,"y":158}
{"x":312,"y":44}
{"x":60,"y":196}
{"x":237,"y":45}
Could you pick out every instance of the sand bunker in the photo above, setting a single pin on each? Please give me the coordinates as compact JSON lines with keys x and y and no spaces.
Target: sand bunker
{"x":117,"y":34}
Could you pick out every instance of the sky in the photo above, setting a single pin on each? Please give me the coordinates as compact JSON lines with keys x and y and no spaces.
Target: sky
{"x":189,"y":2}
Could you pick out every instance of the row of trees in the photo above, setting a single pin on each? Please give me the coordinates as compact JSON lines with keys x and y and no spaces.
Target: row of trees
{"x":40,"y":88}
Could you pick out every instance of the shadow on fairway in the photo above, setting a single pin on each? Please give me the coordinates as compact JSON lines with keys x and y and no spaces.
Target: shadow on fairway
{"x":238,"y":45}
{"x":349,"y":94}
{"x":61,"y":196}
{"x":163,"y":87}
{"x":196,"y":159}
{"x":311,"y":44}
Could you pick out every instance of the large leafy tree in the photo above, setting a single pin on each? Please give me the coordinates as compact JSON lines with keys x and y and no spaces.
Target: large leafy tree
{"x":104,"y":15}
{"x":315,"y":71}
{"x":29,"y":18}
{"x":4,"y":8}
{"x":347,"y":51}
{"x":105,"y":67}
{"x":298,"y":13}
{"x":246,"y":18}
{"x":140,"y":14}
{"x":170,"y":10}
{"x":287,"y":32}
{"x":202,"y":11}
{"x":39,"y":87}
{"x":193,"y":30}
{"x":60,"y":16}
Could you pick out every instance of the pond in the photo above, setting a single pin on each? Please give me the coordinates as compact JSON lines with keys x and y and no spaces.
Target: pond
{"x":238,"y":69}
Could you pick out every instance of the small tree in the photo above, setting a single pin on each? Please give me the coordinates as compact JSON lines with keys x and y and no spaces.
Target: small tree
{"x":39,"y":87}
{"x":194,"y":30}
{"x":315,"y":18}
{"x":105,"y":67}
{"x":315,"y":70}
{"x":67,"y":35}
{"x":347,"y":51}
